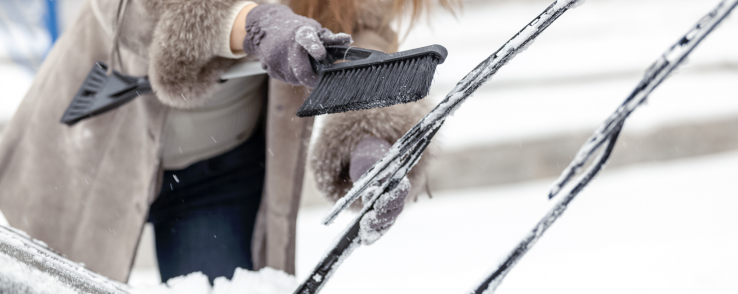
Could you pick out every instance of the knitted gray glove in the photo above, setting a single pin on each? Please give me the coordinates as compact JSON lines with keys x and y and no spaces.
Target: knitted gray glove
{"x":389,"y":205}
{"x":282,"y":40}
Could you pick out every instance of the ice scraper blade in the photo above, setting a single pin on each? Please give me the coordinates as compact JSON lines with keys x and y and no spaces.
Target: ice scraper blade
{"x":101,"y":92}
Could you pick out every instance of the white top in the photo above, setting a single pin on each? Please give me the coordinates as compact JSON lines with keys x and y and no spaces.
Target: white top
{"x":226,"y":120}
{"x":224,"y":50}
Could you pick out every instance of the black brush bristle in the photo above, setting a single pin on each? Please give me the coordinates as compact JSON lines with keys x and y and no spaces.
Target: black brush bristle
{"x":373,"y":84}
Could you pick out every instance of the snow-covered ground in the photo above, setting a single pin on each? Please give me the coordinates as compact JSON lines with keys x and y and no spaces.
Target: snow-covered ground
{"x":650,"y":228}
{"x":265,"y":281}
{"x":666,"y":227}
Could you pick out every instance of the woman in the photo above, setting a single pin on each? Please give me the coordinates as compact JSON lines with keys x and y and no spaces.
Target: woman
{"x":224,"y":157}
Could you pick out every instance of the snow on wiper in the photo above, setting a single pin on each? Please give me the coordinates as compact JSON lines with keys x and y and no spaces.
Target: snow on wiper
{"x":403,"y":155}
{"x":607,"y":134}
{"x":406,"y":152}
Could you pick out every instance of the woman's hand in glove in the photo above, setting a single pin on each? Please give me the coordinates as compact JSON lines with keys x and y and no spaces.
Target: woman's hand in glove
{"x":389,"y":205}
{"x":283,"y":41}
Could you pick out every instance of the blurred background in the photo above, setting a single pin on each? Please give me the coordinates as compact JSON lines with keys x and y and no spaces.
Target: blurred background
{"x":660,"y":218}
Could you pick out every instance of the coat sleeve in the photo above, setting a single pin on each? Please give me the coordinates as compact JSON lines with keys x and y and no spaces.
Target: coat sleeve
{"x":331,"y":154}
{"x":184,"y":66}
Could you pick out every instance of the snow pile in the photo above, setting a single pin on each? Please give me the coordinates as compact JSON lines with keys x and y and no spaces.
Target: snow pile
{"x":194,"y":283}
{"x":28,"y":266}
{"x":18,"y":277}
{"x":265,"y":281}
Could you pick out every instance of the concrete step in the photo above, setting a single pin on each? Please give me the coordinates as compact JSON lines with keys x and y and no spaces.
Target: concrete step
{"x":487,"y":165}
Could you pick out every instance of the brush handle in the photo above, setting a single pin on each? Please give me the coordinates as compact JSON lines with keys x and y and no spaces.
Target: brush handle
{"x":336,"y":53}
{"x":244,"y":69}
{"x":360,"y":57}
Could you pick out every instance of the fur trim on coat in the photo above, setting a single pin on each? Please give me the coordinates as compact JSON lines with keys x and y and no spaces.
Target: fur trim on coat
{"x":331,"y":154}
{"x":184,"y":69}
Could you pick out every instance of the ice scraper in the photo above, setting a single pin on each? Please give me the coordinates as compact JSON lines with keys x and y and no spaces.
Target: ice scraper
{"x":100,"y":92}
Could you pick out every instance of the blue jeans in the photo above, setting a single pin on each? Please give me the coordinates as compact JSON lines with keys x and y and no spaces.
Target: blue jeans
{"x":204,"y":215}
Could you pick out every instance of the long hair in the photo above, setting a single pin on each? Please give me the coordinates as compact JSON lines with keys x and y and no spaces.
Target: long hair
{"x":340,"y":15}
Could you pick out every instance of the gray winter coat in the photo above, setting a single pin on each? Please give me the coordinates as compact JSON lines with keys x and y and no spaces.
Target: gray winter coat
{"x":85,"y":190}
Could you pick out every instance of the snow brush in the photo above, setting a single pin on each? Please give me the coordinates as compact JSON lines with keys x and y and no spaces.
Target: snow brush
{"x":370,"y":79}
{"x":406,"y":152}
{"x":101,"y":93}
